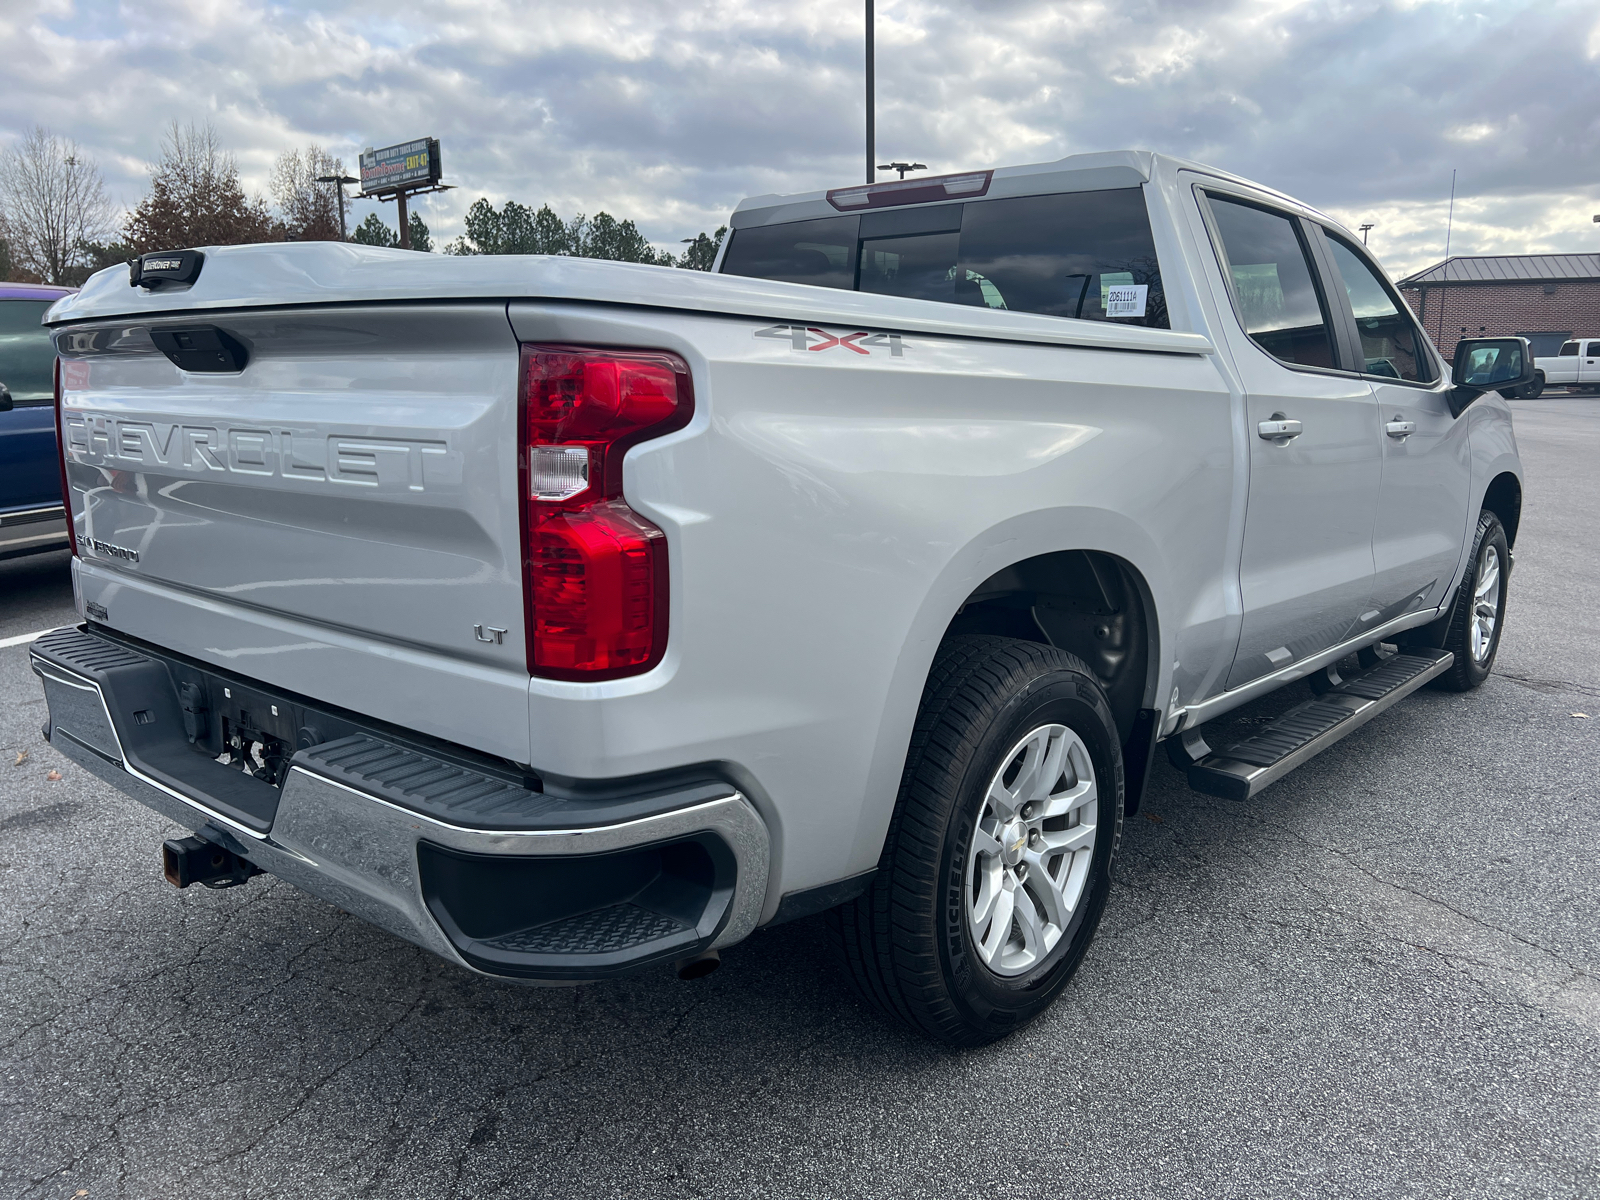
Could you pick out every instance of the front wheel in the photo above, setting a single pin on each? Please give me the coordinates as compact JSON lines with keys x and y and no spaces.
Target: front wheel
{"x":998,"y":858}
{"x":1472,"y":630}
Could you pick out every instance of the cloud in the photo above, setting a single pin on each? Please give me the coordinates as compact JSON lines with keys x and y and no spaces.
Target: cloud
{"x":670,"y":113}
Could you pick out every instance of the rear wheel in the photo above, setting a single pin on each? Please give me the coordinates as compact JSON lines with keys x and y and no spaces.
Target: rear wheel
{"x":998,"y":858}
{"x":1534,"y":390}
{"x":1472,"y":630}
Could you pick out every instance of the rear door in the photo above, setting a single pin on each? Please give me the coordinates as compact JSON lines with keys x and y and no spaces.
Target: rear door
{"x":1427,"y":464}
{"x":1589,"y":363}
{"x":1306,"y":568}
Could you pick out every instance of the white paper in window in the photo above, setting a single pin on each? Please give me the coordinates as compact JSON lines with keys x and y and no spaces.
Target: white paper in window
{"x":1126,"y":300}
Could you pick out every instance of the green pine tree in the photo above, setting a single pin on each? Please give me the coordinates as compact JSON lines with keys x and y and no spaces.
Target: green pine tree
{"x":373,"y":232}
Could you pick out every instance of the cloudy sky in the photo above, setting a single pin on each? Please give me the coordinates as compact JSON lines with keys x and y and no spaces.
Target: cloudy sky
{"x":670,"y":112}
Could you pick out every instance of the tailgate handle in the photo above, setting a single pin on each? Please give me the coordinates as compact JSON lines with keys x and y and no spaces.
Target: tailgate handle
{"x":203,"y":349}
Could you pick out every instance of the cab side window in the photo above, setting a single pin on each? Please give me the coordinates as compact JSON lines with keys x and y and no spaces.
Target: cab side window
{"x":1274,"y":289}
{"x":1390,"y":346}
{"x":1568,"y":350}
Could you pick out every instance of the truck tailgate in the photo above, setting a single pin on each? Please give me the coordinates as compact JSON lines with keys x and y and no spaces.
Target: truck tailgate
{"x":339,"y":517}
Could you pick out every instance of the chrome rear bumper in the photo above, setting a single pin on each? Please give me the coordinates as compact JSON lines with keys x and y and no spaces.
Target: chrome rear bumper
{"x":682,"y":871}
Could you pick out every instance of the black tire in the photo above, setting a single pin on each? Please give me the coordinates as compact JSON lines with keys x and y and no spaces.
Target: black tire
{"x":1455,"y":631}
{"x":1533,"y":390}
{"x":906,"y":943}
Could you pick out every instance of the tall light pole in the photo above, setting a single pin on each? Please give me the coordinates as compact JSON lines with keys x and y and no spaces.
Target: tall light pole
{"x":339,"y":181}
{"x":872,"y":139}
{"x":1363,"y":229}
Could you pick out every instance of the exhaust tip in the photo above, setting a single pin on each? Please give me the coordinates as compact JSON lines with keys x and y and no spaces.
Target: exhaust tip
{"x":698,"y":966}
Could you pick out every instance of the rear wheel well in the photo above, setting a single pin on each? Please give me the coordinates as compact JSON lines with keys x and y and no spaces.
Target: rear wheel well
{"x":1086,"y":602}
{"x":1504,"y":499}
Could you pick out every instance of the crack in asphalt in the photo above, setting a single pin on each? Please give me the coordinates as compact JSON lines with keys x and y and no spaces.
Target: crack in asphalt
{"x":1535,"y":684}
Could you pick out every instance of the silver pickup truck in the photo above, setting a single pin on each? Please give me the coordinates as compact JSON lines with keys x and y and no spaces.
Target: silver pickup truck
{"x":567,"y":617}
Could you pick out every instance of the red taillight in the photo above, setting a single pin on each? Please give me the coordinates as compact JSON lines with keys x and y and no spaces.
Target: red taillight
{"x":595,"y":572}
{"x":61,"y":461}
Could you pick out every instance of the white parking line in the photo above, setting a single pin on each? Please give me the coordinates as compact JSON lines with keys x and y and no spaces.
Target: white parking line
{"x":22,"y":639}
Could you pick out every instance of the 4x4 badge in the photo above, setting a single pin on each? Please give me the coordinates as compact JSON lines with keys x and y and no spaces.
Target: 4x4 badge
{"x":810,"y":338}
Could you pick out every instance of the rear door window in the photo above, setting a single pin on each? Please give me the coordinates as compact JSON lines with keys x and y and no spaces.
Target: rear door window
{"x":27,"y":355}
{"x":1569,"y":350}
{"x":1274,"y":289}
{"x":1088,"y":255}
{"x":1390,"y":345}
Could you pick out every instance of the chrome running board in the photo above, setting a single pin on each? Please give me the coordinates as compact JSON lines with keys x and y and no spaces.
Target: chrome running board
{"x":1242,"y":770}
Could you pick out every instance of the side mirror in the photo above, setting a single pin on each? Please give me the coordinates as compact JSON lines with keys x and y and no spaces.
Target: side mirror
{"x":5,"y":398}
{"x":1489,"y":365}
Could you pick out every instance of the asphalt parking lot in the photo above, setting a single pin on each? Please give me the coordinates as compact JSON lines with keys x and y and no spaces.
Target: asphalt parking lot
{"x":1379,"y":978}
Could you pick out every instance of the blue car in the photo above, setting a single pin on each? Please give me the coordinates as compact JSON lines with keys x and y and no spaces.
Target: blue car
{"x":31,"y":515}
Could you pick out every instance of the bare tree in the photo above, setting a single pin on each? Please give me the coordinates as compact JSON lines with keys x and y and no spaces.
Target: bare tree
{"x":196,"y":198}
{"x":6,"y":264}
{"x":54,"y":202}
{"x":310,"y":209}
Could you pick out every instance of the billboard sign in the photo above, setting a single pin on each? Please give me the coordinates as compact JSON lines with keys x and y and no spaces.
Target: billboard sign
{"x":408,"y":165}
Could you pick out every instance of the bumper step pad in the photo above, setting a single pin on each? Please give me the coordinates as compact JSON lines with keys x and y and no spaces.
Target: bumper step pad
{"x":603,"y":931}
{"x":458,"y":794}
{"x":1242,"y":770}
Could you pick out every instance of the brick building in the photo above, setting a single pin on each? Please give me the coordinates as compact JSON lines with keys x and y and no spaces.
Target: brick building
{"x":1546,"y":298}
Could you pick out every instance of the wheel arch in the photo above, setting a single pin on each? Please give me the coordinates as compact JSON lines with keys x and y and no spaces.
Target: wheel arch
{"x":1503,"y":497}
{"x":1052,"y":547}
{"x":1090,"y":603}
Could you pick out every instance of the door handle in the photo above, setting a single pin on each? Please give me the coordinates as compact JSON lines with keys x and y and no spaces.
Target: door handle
{"x":1400,"y":430}
{"x":1279,"y":429}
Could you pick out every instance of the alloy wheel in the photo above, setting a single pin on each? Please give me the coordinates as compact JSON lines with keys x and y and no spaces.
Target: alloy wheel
{"x":1031,"y":850}
{"x":1485,"y":604}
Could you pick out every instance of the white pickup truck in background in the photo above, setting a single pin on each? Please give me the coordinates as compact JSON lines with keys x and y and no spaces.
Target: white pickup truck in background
{"x":569,"y":617}
{"x":1576,"y":365}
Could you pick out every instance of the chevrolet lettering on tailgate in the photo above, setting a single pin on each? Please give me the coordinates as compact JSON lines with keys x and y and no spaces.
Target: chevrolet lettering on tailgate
{"x":413,"y":463}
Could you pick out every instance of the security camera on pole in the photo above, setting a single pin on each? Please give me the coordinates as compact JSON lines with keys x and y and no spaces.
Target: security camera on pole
{"x":398,"y":172}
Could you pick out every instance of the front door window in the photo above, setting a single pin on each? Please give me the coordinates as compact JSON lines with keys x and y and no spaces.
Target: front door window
{"x":1390,"y":346}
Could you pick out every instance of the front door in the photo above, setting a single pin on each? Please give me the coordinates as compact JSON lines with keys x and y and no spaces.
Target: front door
{"x":1589,"y":363}
{"x":1306,"y":567}
{"x":1427,"y":463}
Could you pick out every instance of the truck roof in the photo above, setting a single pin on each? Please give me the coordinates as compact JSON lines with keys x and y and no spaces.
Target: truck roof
{"x":1096,"y":171}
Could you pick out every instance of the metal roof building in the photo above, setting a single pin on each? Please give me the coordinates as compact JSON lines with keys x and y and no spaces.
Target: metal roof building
{"x":1508,"y":268}
{"x":1546,"y":298}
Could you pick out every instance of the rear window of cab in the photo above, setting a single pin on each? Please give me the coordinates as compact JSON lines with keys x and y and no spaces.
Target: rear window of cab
{"x":1086,"y":255}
